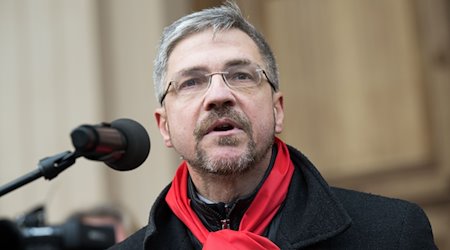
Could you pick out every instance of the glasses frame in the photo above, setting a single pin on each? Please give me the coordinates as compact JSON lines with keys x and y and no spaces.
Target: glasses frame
{"x":272,"y":85}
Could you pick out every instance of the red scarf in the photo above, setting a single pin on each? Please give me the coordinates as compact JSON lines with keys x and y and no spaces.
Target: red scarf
{"x":255,"y":220}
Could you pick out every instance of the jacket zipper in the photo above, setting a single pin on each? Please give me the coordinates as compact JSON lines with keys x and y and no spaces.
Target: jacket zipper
{"x":226,"y":222}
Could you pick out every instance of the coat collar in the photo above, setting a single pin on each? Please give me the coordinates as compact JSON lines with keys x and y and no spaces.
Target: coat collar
{"x":312,"y":213}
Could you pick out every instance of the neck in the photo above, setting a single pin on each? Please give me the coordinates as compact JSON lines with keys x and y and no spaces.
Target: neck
{"x":220,"y":188}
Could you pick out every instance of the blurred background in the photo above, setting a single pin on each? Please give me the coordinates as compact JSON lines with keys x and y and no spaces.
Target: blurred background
{"x":366,"y":85}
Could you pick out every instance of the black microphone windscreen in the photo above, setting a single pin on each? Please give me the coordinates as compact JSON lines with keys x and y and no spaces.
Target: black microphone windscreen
{"x":138,"y":145}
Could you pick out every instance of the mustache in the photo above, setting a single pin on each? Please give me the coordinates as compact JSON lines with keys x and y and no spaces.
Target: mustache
{"x":221,"y":112}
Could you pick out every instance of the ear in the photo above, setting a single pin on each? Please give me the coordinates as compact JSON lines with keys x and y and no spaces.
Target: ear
{"x":163,"y":125}
{"x":278,"y":111}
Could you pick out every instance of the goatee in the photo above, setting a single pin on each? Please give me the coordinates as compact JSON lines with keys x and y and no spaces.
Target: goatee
{"x":225,"y":165}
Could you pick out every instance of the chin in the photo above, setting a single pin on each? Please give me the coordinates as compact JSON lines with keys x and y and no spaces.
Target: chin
{"x":223,"y":164}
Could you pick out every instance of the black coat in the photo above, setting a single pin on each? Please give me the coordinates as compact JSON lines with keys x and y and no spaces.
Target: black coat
{"x":314,"y":216}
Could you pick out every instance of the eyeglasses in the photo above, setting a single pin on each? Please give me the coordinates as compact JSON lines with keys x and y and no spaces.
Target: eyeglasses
{"x":195,"y":82}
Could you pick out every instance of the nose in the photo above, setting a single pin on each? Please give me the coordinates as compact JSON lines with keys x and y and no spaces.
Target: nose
{"x":218,"y":93}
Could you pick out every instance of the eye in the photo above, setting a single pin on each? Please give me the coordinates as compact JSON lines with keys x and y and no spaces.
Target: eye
{"x":190,"y":84}
{"x":241,"y":76}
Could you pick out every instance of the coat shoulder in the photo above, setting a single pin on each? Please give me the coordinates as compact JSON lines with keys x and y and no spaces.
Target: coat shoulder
{"x":402,"y":223}
{"x":367,"y":204}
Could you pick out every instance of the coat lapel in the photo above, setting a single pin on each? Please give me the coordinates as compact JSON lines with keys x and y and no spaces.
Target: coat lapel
{"x":311,"y":213}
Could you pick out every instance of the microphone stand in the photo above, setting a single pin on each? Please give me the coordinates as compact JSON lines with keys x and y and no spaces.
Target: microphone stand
{"x":49,"y":167}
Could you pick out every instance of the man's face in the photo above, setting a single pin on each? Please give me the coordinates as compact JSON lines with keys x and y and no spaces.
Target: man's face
{"x":220,"y":130}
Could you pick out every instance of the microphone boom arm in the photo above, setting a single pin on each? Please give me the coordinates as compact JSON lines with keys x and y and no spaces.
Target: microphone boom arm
{"x":122,"y":144}
{"x":48,"y":167}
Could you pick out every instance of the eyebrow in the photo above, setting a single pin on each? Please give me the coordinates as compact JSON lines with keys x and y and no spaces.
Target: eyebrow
{"x":204,"y":69}
{"x":237,"y":62}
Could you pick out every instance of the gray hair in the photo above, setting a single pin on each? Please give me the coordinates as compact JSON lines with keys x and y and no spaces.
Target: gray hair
{"x":220,"y":18}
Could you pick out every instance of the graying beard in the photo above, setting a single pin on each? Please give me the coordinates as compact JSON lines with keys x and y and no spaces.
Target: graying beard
{"x":226,"y":166}
{"x":228,"y":141}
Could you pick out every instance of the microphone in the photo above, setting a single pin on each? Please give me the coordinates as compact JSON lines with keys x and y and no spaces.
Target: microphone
{"x":122,"y":144}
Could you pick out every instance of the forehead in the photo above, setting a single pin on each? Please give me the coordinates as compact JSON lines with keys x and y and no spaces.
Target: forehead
{"x":213,"y":51}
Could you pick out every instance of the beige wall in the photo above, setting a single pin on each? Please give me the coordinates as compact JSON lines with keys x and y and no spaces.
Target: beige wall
{"x":50,"y":83}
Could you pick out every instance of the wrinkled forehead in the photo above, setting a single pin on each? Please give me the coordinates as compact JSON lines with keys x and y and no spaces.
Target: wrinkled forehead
{"x":213,"y":50}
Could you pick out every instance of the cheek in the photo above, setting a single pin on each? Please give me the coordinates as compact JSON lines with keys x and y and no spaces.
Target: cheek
{"x":262,"y":119}
{"x":181,"y":123}
{"x":181,"y":126}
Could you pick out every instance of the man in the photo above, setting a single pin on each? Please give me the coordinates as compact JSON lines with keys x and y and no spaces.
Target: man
{"x":239,"y":186}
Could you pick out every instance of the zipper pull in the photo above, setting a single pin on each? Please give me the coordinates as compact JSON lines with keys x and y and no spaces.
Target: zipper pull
{"x":225,"y":223}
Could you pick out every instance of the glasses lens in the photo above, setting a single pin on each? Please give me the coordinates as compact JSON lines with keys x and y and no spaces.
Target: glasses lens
{"x":243,"y":76}
{"x":191,"y":83}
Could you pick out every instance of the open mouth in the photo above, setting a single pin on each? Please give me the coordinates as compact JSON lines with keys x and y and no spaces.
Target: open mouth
{"x":223,"y":126}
